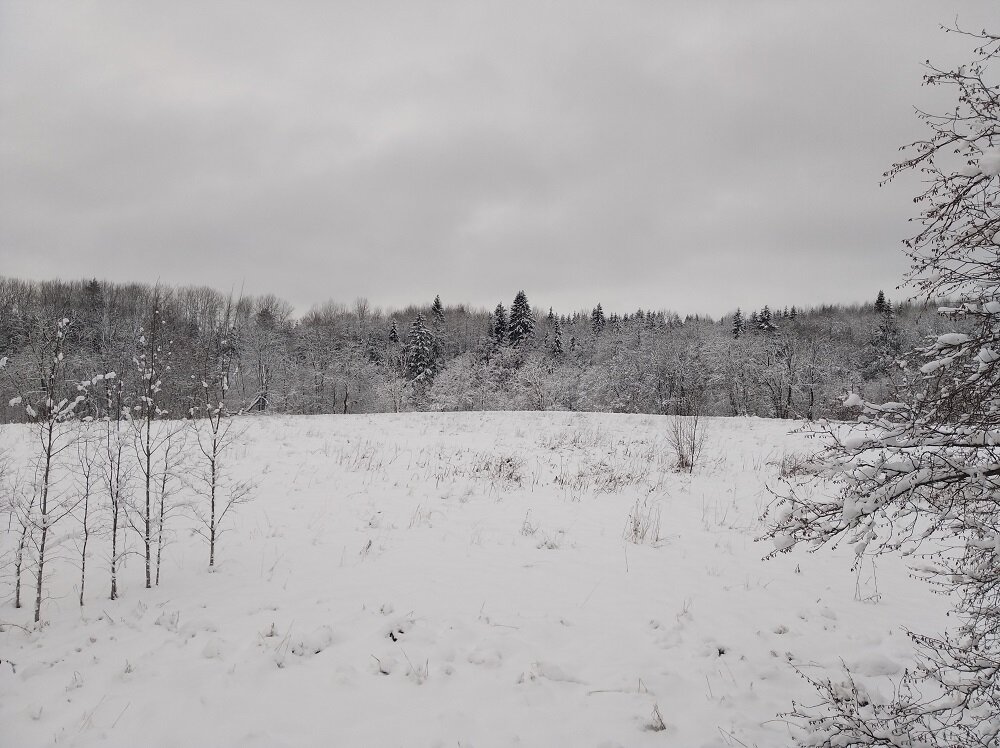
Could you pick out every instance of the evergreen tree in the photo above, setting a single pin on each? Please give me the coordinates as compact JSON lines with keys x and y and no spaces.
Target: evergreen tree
{"x":92,"y":313}
{"x":393,"y":332}
{"x":793,"y":313}
{"x":765,"y":321}
{"x":420,"y":365}
{"x":437,"y":324}
{"x":885,"y":342}
{"x":501,"y":327}
{"x":522,"y":323}
{"x":557,"y":344}
{"x":597,"y":321}
{"x":437,"y":313}
{"x":738,"y":323}
{"x":550,"y":318}
{"x":880,"y":303}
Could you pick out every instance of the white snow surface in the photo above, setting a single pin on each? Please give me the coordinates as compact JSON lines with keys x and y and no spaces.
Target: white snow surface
{"x":461,"y":580}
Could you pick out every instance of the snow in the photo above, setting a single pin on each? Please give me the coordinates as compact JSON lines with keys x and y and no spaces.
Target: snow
{"x":853,"y":400}
{"x":932,"y":366}
{"x":462,"y":579}
{"x":952,"y":339}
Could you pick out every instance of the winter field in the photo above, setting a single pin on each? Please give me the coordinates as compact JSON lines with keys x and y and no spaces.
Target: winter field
{"x":534,"y":579}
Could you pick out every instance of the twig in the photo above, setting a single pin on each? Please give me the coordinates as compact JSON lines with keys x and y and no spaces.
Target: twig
{"x":113,"y":724}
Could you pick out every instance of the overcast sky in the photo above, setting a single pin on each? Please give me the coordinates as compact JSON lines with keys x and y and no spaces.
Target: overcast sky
{"x":688,"y":155}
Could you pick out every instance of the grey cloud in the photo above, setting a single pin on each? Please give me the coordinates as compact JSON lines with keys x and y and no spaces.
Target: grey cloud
{"x":689,"y":155}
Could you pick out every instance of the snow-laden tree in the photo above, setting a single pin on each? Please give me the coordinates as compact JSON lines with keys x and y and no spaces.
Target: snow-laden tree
{"x":556,"y":348}
{"x":468,"y":382}
{"x":216,"y":432}
{"x":597,"y":320}
{"x":419,"y":353}
{"x":738,"y":323}
{"x":116,"y":470}
{"x":501,"y":326}
{"x":437,"y":313}
{"x":522,"y":322}
{"x":439,"y":332}
{"x":880,"y":304}
{"x":50,"y":400}
{"x":921,"y":476}
{"x":765,"y":320}
{"x":152,"y":354}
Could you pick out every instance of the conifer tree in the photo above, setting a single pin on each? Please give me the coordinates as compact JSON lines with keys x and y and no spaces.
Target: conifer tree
{"x":522,"y":323}
{"x":393,"y":332}
{"x":765,"y":321}
{"x":437,"y":313}
{"x":880,"y":303}
{"x":557,"y":344}
{"x":420,"y":366}
{"x":737,"y":323}
{"x":597,"y":320}
{"x":437,"y":325}
{"x":500,"y":326}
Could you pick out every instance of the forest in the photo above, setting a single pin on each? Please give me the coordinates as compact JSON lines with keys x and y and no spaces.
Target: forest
{"x":259,"y":356}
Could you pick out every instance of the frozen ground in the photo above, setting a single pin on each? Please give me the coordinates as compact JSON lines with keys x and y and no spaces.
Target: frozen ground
{"x":462,"y":580}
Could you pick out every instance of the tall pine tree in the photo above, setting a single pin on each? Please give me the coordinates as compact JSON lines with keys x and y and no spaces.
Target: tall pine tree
{"x":557,"y":342}
{"x":880,"y":303}
{"x":522,"y":323}
{"x":597,"y":320}
{"x":437,"y":325}
{"x":765,"y":321}
{"x":420,"y":365}
{"x":437,"y":313}
{"x":500,"y":325}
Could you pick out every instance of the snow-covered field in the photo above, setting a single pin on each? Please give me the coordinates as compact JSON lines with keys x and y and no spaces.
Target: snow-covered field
{"x":461,"y":580}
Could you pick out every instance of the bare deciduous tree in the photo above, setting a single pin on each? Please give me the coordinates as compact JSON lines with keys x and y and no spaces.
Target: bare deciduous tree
{"x":51,"y":407}
{"x":927,"y":468}
{"x":150,"y":362}
{"x":215,"y":433}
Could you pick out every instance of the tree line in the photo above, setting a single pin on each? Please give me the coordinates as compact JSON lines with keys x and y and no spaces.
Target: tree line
{"x":336,"y":358}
